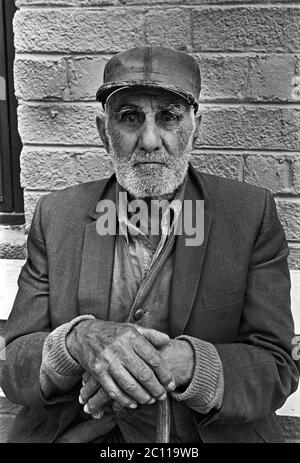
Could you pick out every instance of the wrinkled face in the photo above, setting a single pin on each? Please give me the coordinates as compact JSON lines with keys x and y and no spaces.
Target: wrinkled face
{"x":150,"y":137}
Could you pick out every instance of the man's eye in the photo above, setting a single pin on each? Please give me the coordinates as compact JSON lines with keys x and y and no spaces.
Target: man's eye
{"x":167,"y":117}
{"x":131,"y":118}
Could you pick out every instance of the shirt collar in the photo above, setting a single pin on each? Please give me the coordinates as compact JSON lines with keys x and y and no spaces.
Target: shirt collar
{"x":169,"y":218}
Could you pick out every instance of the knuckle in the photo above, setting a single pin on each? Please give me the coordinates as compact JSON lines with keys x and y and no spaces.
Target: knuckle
{"x":128,"y":333}
{"x":144,"y":374}
{"x":154,"y":360}
{"x":106,"y":353}
{"x":128,"y":385}
{"x":97,"y":369}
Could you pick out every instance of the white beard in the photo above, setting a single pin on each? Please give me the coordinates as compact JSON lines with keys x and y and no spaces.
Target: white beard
{"x":152,"y":180}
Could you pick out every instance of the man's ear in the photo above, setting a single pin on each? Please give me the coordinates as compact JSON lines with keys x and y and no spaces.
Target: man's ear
{"x":101,"y":126}
{"x":197,"y":128}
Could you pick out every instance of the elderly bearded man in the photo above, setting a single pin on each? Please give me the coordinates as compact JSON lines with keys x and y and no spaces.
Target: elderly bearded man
{"x":105,"y":325}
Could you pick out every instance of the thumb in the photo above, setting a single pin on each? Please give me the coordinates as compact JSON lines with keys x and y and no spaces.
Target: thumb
{"x":157,"y":338}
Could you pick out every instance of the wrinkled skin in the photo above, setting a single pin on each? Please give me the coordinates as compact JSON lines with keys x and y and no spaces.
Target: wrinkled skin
{"x":177,"y":355}
{"x":123,"y":359}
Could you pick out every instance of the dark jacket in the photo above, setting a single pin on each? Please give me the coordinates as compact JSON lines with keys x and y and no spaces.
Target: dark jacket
{"x":233,"y":291}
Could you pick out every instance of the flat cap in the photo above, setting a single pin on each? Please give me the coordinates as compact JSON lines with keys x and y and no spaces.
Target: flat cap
{"x":153,"y":67}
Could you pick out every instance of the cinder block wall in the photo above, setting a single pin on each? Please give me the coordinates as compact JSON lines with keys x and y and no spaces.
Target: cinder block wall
{"x":249,"y":55}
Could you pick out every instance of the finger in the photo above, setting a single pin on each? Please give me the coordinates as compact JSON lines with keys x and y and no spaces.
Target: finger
{"x":85,"y":376}
{"x":99,"y":415}
{"x":111,"y":388}
{"x":94,"y":404}
{"x":132,"y":385}
{"x":157,"y":338}
{"x":162,"y":375}
{"x":116,"y":406}
{"x":144,"y":376}
{"x":88,"y":390}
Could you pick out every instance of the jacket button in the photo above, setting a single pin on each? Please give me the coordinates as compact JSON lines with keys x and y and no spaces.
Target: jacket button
{"x":138,"y":314}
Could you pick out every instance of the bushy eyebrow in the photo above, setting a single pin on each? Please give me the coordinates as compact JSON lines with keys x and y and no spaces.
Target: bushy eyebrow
{"x":172,"y":107}
{"x":161,"y":107}
{"x":127,"y":106}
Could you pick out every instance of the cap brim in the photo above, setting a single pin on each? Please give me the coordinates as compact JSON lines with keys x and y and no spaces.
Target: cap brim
{"x":107,"y":89}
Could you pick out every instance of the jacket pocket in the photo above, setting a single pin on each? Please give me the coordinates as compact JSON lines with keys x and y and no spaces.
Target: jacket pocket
{"x":223,"y":299}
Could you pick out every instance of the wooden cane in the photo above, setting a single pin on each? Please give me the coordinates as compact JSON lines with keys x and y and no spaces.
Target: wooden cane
{"x":163,"y":413}
{"x":163,"y":421}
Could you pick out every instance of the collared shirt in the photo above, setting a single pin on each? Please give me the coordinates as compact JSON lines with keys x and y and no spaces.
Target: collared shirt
{"x":143,"y":263}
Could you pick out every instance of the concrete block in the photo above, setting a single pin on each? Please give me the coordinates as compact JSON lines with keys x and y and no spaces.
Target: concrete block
{"x":272,"y":78}
{"x":91,"y":166}
{"x":250,"y":127}
{"x":44,"y":170}
{"x":77,"y":30}
{"x":247,"y":78}
{"x":296,"y":173}
{"x":294,"y":257}
{"x":64,"y":78}
{"x":289,"y":215}
{"x":271,"y":171}
{"x":51,"y":169}
{"x":59,"y":124}
{"x":38,"y":79}
{"x":30,"y":200}
{"x":169,"y":27}
{"x":216,"y":163}
{"x":266,"y":29}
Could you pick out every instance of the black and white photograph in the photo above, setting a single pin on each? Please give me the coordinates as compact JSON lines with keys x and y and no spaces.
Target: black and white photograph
{"x":149,"y":225}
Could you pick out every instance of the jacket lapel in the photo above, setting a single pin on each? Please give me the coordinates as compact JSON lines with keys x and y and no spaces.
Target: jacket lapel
{"x":97,"y":262}
{"x":188,"y":260}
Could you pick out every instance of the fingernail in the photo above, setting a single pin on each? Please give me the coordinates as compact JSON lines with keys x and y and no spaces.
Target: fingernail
{"x":133,"y":406}
{"x":171,"y":386}
{"x":162,"y":397}
{"x":86,"y":409}
{"x":151,"y":401}
{"x":80,"y":400}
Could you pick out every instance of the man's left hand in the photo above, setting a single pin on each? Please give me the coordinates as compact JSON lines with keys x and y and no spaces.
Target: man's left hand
{"x":179,"y":357}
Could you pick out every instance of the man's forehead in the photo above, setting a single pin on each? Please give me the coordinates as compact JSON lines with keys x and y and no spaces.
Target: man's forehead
{"x":138,"y":97}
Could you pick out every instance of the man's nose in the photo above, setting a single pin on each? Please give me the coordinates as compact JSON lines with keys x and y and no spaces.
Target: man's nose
{"x":150,"y":139}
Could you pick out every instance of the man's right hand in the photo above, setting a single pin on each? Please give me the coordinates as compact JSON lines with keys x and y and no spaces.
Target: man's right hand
{"x":122,"y":357}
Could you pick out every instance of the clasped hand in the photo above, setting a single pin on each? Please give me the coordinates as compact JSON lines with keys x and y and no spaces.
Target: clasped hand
{"x":123,"y":359}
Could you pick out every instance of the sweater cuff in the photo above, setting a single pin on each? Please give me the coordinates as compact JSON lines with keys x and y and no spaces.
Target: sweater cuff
{"x":206,"y":388}
{"x":56,"y":356}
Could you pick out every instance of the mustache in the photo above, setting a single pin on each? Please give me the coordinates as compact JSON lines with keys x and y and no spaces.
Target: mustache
{"x":161,"y":157}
